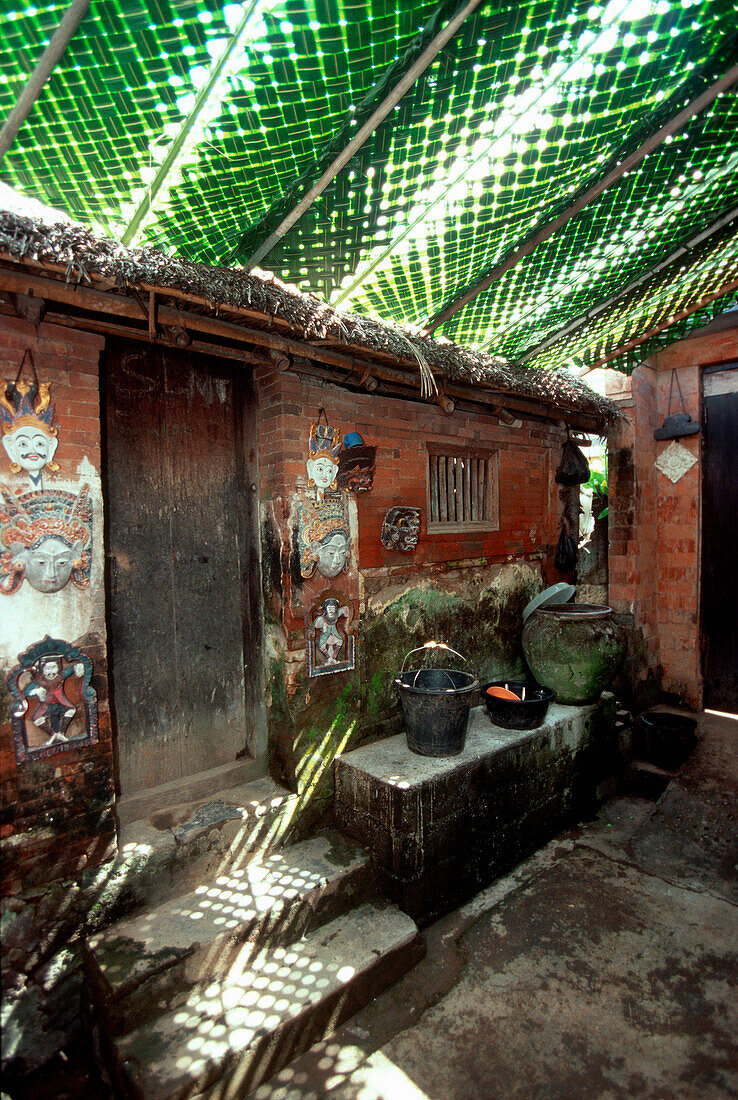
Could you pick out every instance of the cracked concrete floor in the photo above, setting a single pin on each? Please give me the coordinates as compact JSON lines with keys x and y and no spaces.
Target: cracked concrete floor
{"x":604,"y":966}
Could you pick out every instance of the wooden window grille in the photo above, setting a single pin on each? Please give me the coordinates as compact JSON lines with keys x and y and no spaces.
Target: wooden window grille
{"x":463,"y":490}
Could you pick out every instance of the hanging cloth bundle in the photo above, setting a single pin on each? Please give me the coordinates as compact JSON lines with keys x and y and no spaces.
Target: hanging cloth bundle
{"x":566,"y":550}
{"x":573,"y":468}
{"x":680,"y":423}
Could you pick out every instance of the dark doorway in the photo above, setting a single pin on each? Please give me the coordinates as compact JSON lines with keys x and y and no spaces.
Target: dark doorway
{"x":183,"y":574}
{"x":719,"y":613}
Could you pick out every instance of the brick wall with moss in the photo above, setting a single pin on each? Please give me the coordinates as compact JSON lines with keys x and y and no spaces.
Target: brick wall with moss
{"x":467,"y":589}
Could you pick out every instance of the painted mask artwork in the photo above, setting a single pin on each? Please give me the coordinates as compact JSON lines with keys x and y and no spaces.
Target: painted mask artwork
{"x":45,"y":538}
{"x":322,"y":462}
{"x":356,"y":464}
{"x":55,"y":706}
{"x":330,"y":645}
{"x":28,"y":431}
{"x":401,"y":529}
{"x":324,"y":537}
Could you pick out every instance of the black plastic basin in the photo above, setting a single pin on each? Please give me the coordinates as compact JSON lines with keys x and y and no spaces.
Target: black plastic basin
{"x":511,"y":714}
{"x":664,"y":739}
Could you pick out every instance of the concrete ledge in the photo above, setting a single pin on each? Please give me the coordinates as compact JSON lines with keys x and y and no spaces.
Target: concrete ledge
{"x":440,"y":829}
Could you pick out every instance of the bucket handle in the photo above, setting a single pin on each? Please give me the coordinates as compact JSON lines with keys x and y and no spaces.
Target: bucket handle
{"x":431,"y":645}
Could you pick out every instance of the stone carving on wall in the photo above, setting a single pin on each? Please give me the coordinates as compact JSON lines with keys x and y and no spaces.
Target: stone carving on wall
{"x":330,"y":645}
{"x":401,"y":529}
{"x":356,"y":463}
{"x":54,"y":705}
{"x":29,"y":433}
{"x":46,"y":538}
{"x":674,"y":461}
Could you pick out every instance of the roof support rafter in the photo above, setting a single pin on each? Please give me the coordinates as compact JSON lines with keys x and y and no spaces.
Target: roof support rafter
{"x":588,"y":196}
{"x":377,"y":116}
{"x":175,"y":149}
{"x":672,"y":320}
{"x":46,"y":64}
{"x":585,"y":318}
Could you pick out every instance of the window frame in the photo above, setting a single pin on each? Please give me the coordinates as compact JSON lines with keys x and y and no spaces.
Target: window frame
{"x":492,"y":489}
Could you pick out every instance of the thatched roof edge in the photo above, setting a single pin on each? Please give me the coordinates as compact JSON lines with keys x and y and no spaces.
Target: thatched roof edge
{"x":85,"y":255}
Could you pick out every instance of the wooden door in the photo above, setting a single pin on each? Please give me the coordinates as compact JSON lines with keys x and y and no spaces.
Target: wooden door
{"x":719,"y":612}
{"x":183,"y":569}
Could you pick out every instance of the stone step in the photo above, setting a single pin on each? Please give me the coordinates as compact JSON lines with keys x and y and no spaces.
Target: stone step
{"x":175,"y":849}
{"x":141,"y":965}
{"x":232,"y":1034}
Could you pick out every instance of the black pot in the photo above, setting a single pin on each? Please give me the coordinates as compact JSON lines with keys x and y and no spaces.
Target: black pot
{"x":665,"y":739}
{"x":435,"y":709}
{"x":511,"y":714}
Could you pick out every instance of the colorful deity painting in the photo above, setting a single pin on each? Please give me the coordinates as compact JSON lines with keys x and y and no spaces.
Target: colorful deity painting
{"x":28,"y":431}
{"x":324,"y":536}
{"x":322,"y":462}
{"x":55,"y":705}
{"x":323,"y":532}
{"x":45,"y":538}
{"x":330,"y":645}
{"x":401,"y":529}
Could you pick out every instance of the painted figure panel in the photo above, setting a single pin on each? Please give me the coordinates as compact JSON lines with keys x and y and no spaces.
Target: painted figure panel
{"x":329,"y":642}
{"x":54,"y":704}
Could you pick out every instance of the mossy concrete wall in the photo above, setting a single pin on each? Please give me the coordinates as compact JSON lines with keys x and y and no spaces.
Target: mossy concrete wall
{"x":476,"y":609}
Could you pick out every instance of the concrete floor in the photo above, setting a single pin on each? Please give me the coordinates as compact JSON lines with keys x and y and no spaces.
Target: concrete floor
{"x":605,"y":966}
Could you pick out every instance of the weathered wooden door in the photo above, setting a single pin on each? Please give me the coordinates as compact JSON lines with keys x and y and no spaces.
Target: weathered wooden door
{"x":183,"y":569}
{"x":720,"y":537}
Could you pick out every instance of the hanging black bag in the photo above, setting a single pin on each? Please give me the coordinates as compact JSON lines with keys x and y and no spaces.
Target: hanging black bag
{"x":566,"y":551}
{"x":573,"y":468}
{"x":676,"y":424}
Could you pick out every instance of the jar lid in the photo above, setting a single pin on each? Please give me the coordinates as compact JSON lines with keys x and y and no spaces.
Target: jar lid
{"x":556,"y":594}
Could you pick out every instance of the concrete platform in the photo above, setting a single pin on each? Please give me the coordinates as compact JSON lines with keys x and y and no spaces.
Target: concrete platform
{"x":442,"y":828}
{"x":604,"y":966}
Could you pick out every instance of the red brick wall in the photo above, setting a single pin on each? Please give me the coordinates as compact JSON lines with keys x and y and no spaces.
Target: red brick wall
{"x":528,"y":455}
{"x":655,"y":523}
{"x":56,"y":812}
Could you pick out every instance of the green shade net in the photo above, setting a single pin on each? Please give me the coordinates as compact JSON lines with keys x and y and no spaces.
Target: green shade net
{"x":218,"y":117}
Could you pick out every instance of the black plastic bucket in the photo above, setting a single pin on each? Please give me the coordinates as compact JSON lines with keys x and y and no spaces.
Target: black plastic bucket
{"x":435,"y":708}
{"x":665,"y":739}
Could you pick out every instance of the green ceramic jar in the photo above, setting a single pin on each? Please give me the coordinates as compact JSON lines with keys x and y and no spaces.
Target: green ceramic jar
{"x":574,"y":649}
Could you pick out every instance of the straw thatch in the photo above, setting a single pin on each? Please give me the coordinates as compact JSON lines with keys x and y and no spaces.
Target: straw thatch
{"x":86,"y":257}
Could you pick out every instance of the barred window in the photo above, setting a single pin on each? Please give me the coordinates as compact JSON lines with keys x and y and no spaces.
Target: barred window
{"x":463,"y":490}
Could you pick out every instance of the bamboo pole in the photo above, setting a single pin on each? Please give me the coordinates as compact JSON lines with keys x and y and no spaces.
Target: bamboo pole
{"x":375,"y":119}
{"x":46,"y":64}
{"x":545,"y":232}
{"x":672,"y":320}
